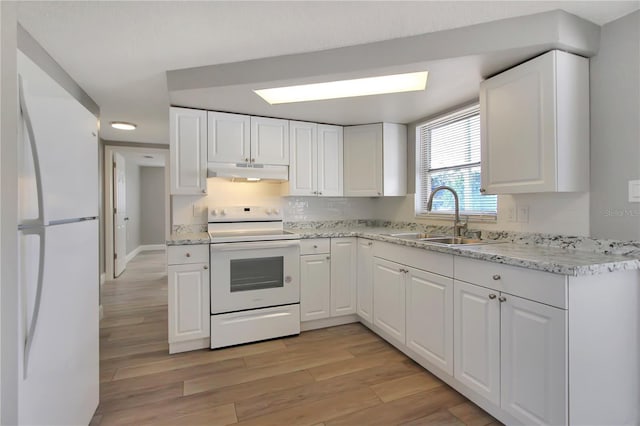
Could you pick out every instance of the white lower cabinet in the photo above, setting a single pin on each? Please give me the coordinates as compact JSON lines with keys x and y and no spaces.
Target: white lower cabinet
{"x":429,"y":317}
{"x":365,"y":280}
{"x":477,"y":339}
{"x":188,"y":298}
{"x":343,"y":276}
{"x":513,"y":352}
{"x":389,"y":298}
{"x":533,"y":353}
{"x":315,"y":290}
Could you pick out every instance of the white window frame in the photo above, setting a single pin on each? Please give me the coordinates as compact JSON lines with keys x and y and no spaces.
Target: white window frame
{"x":487,"y":218}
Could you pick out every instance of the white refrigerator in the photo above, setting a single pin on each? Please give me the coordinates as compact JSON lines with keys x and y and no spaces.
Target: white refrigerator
{"x":58,"y":251}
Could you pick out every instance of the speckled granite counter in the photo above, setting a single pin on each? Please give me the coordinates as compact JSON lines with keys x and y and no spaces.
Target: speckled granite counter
{"x":187,"y":238}
{"x":542,"y":258}
{"x":565,"y":261}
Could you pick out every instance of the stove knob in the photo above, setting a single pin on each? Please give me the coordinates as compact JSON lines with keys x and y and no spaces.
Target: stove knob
{"x":223,"y":212}
{"x":267,"y":211}
{"x":214,"y":212}
{"x":276,"y":211}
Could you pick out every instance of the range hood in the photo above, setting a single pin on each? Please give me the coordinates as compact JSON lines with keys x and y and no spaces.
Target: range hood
{"x":244,"y":172}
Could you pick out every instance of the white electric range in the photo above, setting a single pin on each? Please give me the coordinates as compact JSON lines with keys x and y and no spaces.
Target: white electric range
{"x":255,"y":276}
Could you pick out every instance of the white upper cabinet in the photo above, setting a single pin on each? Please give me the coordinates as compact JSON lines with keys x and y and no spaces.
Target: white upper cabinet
{"x":535,"y":126}
{"x":315,"y":160}
{"x":188,"y":133}
{"x":375,"y":160}
{"x":330,"y":161}
{"x":229,"y":137}
{"x":269,"y":141}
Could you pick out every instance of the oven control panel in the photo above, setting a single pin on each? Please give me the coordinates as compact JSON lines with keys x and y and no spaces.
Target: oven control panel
{"x":245,"y":214}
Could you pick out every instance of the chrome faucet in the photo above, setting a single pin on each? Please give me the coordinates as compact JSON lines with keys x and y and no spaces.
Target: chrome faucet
{"x":457,"y":226}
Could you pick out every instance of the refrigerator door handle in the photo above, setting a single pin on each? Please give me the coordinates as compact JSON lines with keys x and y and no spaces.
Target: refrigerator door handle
{"x":34,"y":153}
{"x":28,"y":341}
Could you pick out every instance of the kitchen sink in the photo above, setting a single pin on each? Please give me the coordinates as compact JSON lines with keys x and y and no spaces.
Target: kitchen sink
{"x":414,"y":235}
{"x":457,"y":241}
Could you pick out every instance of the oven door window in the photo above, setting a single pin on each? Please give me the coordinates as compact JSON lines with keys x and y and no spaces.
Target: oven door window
{"x":257,"y":274}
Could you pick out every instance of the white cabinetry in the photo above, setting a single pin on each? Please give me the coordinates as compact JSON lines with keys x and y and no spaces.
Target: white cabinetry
{"x":389,"y":298}
{"x":237,"y":138}
{"x":343,"y":276}
{"x":188,"y":297}
{"x":269,"y":141}
{"x":315,"y":291}
{"x":375,"y":160}
{"x":535,"y":126}
{"x":510,"y":350}
{"x":429,"y":317}
{"x":188,"y":133}
{"x":229,"y":137}
{"x":316,"y":160}
{"x":364,"y":277}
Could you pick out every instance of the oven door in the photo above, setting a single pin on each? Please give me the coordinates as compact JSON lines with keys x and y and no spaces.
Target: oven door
{"x":252,"y":275}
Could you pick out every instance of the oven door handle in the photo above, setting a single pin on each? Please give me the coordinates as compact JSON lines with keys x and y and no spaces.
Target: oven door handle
{"x":222,"y":247}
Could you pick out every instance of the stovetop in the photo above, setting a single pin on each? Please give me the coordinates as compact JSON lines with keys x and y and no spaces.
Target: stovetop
{"x":247,"y":223}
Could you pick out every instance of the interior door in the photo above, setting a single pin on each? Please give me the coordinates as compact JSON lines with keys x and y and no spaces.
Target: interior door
{"x":119,"y":214}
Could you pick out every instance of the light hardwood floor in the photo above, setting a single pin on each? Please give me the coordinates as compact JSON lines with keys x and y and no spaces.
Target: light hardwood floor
{"x":336,"y":376}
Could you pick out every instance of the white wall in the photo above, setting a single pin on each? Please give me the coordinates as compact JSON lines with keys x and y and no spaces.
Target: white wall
{"x":152,"y":205}
{"x":225,"y":193}
{"x":133,"y":205}
{"x":615,"y":130}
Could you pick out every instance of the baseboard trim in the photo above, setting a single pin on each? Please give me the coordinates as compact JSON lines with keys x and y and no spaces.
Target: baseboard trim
{"x":328,"y":322}
{"x":101,"y":310}
{"x":190,"y":345}
{"x":146,"y":247}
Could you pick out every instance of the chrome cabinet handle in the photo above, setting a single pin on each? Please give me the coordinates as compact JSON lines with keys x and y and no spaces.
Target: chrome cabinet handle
{"x":370,"y":243}
{"x":379,"y":193}
{"x":204,"y":191}
{"x":328,"y":257}
{"x":188,"y":254}
{"x":246,"y":160}
{"x":205,"y":267}
{"x":502,"y":299}
{"x":253,"y":160}
{"x":482,"y":190}
{"x":315,"y":246}
{"x":319,"y":193}
{"x":492,"y":296}
{"x":496,"y":277}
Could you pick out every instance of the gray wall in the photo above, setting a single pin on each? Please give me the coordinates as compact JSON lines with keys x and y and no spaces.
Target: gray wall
{"x":152,"y":213}
{"x":615,"y":130}
{"x":133,"y":205}
{"x":8,"y":217}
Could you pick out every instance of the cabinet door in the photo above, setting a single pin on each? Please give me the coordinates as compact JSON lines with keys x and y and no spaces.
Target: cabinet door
{"x":330,"y":152}
{"x":534,"y":361}
{"x":303,"y":169}
{"x":269,"y":141}
{"x":517,"y":109}
{"x":188,"y":129}
{"x":430,"y":317}
{"x":315,"y":287}
{"x":363,"y":161}
{"x":343,"y":276}
{"x":389,"y":298}
{"x":188,"y":302}
{"x":476,"y":346}
{"x":365,"y":280}
{"x":228,"y":140}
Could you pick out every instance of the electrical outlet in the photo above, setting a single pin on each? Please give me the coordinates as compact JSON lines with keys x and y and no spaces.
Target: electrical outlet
{"x":511,"y":214}
{"x":523,"y":214}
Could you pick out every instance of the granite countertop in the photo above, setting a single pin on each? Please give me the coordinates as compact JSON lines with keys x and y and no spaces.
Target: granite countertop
{"x":188,"y":238}
{"x":531,"y":256}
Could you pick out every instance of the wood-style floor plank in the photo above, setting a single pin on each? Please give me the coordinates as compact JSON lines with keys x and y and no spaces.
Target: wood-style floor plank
{"x":341,"y":375}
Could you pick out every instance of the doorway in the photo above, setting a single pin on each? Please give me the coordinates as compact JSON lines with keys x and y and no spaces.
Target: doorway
{"x":136,"y":204}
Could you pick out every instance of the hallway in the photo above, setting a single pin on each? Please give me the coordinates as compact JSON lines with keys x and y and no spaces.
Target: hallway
{"x":341,"y":375}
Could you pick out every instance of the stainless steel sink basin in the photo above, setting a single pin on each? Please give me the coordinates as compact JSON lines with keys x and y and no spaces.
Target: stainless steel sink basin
{"x":456,"y":241}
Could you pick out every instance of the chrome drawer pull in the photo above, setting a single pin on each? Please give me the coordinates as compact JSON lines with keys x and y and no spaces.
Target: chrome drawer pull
{"x":496,"y":277}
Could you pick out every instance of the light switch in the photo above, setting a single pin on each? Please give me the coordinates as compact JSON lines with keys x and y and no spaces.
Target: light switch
{"x":634,"y":191}
{"x":523,"y":214}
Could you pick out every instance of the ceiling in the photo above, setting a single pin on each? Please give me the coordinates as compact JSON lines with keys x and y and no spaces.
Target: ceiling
{"x":141,"y":158}
{"x":119,"y":51}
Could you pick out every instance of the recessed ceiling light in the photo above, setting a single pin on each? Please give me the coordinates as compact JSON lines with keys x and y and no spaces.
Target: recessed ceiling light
{"x":396,"y":83}
{"x":123,"y":125}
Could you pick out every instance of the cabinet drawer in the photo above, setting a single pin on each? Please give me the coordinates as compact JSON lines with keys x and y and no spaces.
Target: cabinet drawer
{"x":198,"y":253}
{"x":539,"y":286}
{"x":315,"y":246}
{"x":437,"y":263}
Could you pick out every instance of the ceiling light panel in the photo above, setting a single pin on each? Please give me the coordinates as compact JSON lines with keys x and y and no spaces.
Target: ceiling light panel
{"x":397,"y":83}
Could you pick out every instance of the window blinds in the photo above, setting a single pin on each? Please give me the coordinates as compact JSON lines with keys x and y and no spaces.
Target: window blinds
{"x":449,"y":154}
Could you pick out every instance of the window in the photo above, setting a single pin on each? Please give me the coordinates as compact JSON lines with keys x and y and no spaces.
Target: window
{"x":448,"y":153}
